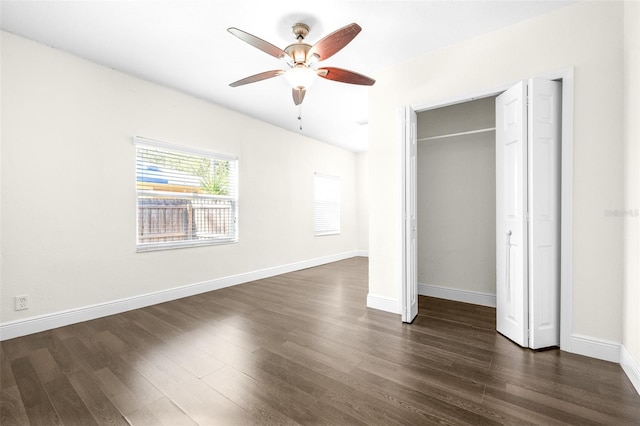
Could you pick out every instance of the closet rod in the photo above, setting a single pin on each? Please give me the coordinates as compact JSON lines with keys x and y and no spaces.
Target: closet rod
{"x":470,"y":132}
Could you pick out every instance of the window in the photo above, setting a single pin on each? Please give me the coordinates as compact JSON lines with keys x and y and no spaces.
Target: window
{"x":185,"y":197}
{"x":327,"y":205}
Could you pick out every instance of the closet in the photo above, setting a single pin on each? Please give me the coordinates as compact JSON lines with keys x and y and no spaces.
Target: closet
{"x":456,"y":202}
{"x":487,"y":207}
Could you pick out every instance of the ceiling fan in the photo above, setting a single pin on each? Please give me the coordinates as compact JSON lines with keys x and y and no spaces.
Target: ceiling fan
{"x":301,"y":59}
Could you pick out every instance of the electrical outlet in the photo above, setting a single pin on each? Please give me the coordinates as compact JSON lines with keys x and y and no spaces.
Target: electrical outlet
{"x":22,"y":302}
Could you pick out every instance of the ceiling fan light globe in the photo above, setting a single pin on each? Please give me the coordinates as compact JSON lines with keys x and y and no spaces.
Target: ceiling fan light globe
{"x":300,"y":76}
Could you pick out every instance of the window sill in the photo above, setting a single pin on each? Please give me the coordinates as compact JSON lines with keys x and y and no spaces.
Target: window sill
{"x":159,"y":247}
{"x":324,"y":234}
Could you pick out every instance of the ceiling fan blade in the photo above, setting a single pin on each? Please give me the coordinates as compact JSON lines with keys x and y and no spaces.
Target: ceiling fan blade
{"x":298,"y":95}
{"x":331,"y":44}
{"x":258,"y":43}
{"x":257,"y":77}
{"x":345,"y":76}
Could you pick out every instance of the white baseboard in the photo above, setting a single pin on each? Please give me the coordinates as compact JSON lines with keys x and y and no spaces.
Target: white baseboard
{"x":595,"y":348}
{"x":608,"y":351}
{"x":40,"y":323}
{"x":466,"y":296}
{"x":383,"y":303}
{"x":631,"y":367}
{"x":363,"y":253}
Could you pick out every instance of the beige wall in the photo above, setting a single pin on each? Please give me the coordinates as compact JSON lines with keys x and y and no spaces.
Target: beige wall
{"x":363,"y":202}
{"x":587,"y":36}
{"x":68,"y":185}
{"x":631,"y":337}
{"x":456,"y":192}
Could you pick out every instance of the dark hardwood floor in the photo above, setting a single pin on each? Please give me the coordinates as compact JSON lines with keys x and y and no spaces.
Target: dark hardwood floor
{"x":302,"y":348}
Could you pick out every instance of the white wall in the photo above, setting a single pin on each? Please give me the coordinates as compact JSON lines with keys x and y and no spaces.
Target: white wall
{"x":68,"y":185}
{"x":456,"y":192}
{"x":587,"y":36}
{"x":363,"y":202}
{"x":631,"y":336}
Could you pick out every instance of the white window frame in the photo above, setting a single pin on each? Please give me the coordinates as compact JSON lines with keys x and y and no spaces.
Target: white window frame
{"x":327,"y":198}
{"x":197,"y":198}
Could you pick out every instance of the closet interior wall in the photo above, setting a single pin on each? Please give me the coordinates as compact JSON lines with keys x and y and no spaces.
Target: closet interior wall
{"x":456,"y":191}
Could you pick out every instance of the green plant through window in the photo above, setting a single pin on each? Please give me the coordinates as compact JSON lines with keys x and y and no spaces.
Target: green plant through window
{"x":214,"y":177}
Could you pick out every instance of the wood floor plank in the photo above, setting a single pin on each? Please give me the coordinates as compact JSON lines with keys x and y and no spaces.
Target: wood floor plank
{"x":13,"y":348}
{"x":44,"y":365}
{"x":152,"y":324}
{"x":162,"y":412}
{"x":563,"y":393}
{"x":222,"y":350}
{"x":12,"y":411}
{"x":257,"y":332}
{"x":34,"y":397}
{"x":177,"y":319}
{"x":315,"y":383}
{"x":124,"y":399}
{"x":302,"y":348}
{"x":135,"y":336}
{"x":199,"y":401}
{"x":184,"y":352}
{"x":440,"y":405}
{"x":85,"y":358}
{"x":6,"y":375}
{"x":236,"y":336}
{"x":583,"y":414}
{"x":62,"y":356}
{"x":242,"y":390}
{"x":98,"y":404}
{"x":67,"y":403}
{"x":278,"y":394}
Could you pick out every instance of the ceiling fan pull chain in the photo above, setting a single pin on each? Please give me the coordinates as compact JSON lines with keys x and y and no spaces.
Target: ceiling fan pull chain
{"x":300,"y":115}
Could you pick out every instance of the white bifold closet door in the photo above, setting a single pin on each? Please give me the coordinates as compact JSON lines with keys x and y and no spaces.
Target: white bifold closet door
{"x":528,"y":129}
{"x":410,"y":215}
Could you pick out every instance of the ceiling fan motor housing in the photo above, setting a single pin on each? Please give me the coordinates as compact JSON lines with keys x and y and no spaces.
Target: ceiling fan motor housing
{"x":298,"y":52}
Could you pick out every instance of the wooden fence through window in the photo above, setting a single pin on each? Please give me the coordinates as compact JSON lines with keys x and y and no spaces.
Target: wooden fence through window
{"x":165,"y":220}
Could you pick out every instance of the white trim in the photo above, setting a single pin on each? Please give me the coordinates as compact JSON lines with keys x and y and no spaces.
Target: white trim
{"x":36,"y":324}
{"x":401,"y":236}
{"x":406,"y":187}
{"x":631,"y":367}
{"x":566,"y":213}
{"x":595,"y":348}
{"x":466,"y":296}
{"x":382,"y":303}
{"x":362,"y":253}
{"x":140,"y":140}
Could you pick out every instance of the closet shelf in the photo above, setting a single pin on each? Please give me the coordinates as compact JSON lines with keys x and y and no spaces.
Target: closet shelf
{"x":450,"y":135}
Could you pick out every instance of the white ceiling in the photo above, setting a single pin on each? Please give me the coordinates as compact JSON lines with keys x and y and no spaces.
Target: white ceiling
{"x":184,"y":44}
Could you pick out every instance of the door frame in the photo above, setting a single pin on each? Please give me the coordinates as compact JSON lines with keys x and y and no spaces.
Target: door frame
{"x":566,"y":190}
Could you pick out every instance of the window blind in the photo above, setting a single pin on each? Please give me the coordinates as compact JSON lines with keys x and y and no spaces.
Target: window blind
{"x":185,"y":197}
{"x":326,"y":204}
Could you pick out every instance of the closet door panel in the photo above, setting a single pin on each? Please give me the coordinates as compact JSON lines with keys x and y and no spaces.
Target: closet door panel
{"x":544,"y":135}
{"x":511,"y":221}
